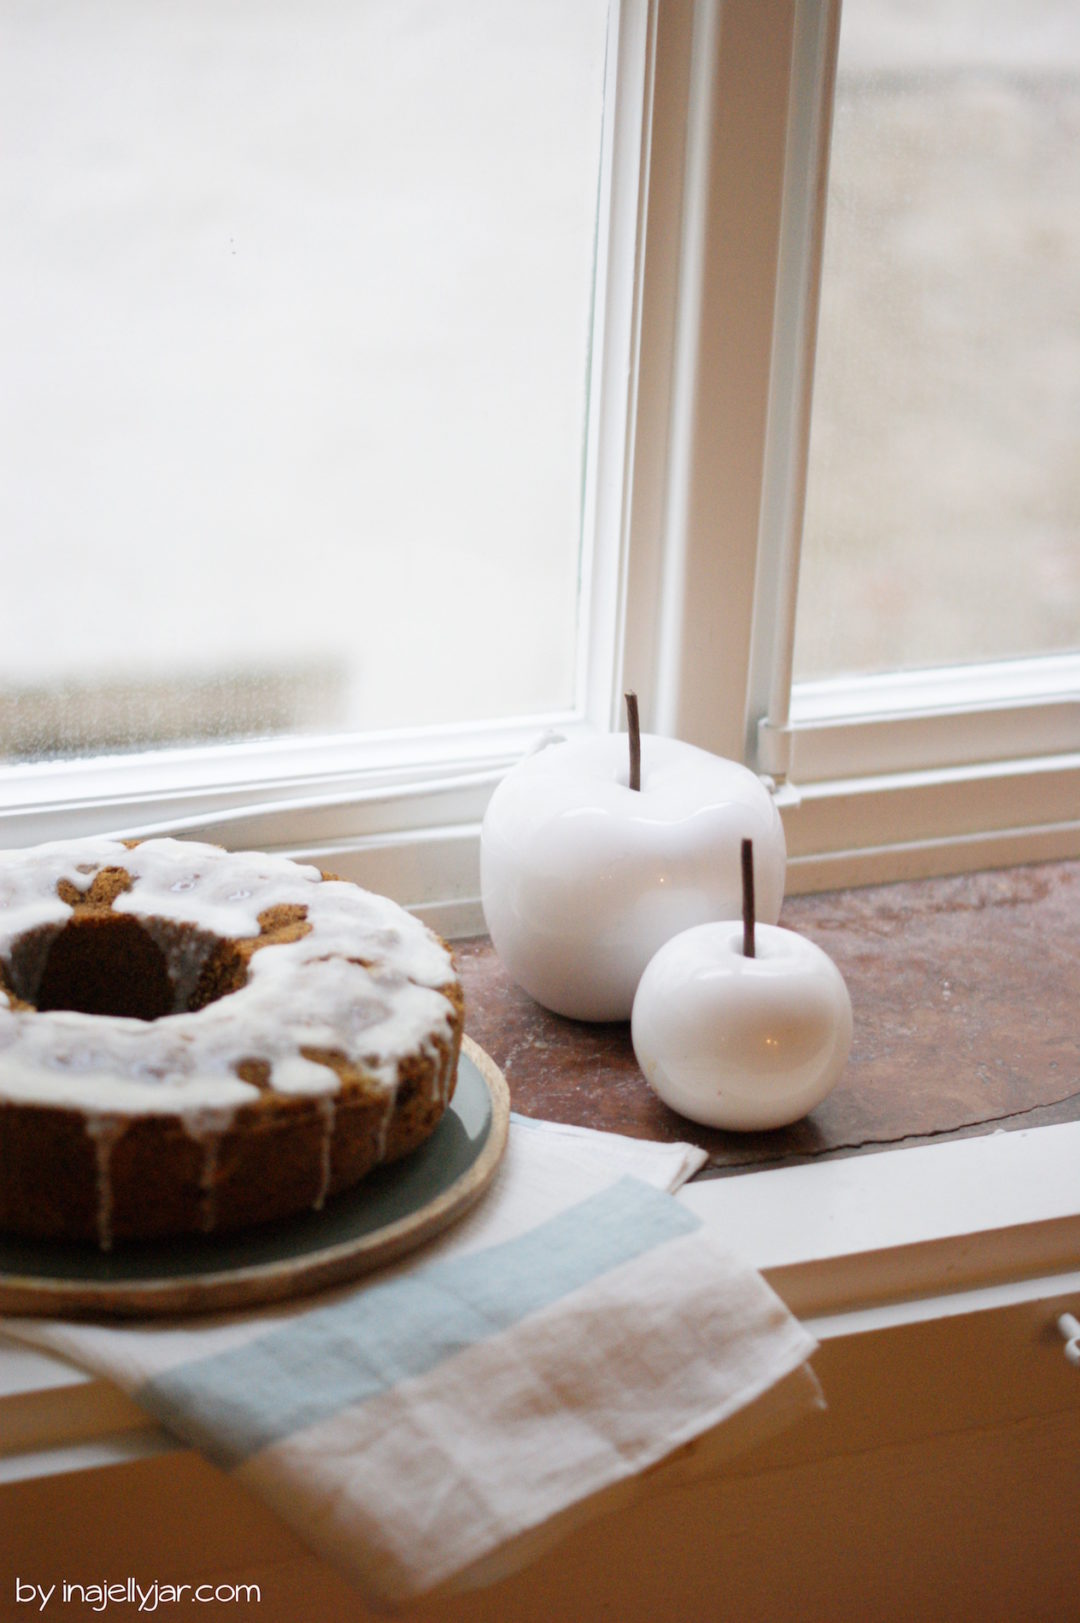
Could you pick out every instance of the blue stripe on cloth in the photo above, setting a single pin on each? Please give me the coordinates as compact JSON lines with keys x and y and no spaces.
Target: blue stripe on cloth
{"x":231,"y":1404}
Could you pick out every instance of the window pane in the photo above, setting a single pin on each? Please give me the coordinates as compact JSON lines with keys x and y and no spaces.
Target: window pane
{"x":943,"y":518}
{"x":296,"y":304}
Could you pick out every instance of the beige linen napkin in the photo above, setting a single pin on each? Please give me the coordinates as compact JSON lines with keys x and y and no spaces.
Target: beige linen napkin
{"x":431,"y":1425}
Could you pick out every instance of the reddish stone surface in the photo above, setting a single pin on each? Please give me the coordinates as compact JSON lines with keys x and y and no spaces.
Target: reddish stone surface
{"x":966,"y":993}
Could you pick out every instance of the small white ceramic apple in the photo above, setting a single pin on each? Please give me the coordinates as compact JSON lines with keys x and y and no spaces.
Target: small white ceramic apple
{"x":583,"y":878}
{"x":739,"y":1025}
{"x":741,"y":1042}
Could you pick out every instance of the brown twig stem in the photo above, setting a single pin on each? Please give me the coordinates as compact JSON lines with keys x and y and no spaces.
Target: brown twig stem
{"x":633,"y":726}
{"x":748,"y":898}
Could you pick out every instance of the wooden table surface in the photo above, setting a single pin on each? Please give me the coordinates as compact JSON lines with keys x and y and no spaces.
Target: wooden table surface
{"x":966,"y":994}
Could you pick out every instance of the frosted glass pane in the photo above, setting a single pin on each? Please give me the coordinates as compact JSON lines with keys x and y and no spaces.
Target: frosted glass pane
{"x":295,"y":303}
{"x":943,"y":517}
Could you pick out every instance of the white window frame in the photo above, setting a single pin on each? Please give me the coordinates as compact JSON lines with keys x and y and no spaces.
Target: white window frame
{"x":710,"y":231}
{"x":400,"y":810}
{"x":878,"y":778}
{"x":912,"y":773}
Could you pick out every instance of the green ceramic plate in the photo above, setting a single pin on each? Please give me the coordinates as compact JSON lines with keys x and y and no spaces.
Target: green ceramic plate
{"x":393,"y":1209}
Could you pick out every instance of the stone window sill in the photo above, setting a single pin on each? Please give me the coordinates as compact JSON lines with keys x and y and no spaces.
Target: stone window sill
{"x":965,"y":994}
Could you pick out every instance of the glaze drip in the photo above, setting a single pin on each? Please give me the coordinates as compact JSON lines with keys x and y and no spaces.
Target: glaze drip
{"x":328,"y":1111}
{"x":364,"y":981}
{"x":104,"y":1133}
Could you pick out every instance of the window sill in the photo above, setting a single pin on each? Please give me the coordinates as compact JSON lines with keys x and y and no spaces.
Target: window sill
{"x":937,"y":1179}
{"x":964,"y":997}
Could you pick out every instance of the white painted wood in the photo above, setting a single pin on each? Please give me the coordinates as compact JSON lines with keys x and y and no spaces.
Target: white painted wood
{"x":659,"y":379}
{"x":434,"y":873}
{"x":737,"y":120}
{"x":110,"y":1449}
{"x":872,"y":829}
{"x":856,"y":1245}
{"x":846,"y":1232}
{"x":791,"y":384}
{"x":922,"y":692}
{"x":79,"y":1426}
{"x":616,"y":341}
{"x":47,"y":799}
{"x":924,"y":859}
{"x":913,"y":721}
{"x":25,"y":1370}
{"x":1042,"y":1289}
{"x":883,"y":1200}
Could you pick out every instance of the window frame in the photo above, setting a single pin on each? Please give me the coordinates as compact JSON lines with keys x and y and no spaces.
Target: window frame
{"x":914,"y":773}
{"x":710,"y":227}
{"x":400,"y":810}
{"x":876,"y":779}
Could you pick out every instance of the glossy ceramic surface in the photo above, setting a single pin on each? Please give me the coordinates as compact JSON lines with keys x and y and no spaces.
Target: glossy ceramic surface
{"x":737,"y":1042}
{"x":584,"y":878}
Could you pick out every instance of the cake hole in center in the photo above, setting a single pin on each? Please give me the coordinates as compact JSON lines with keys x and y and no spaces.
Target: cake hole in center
{"x":106,"y":966}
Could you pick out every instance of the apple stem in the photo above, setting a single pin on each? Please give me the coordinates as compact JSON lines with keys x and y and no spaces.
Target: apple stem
{"x":633,"y":726}
{"x":748,"y":899}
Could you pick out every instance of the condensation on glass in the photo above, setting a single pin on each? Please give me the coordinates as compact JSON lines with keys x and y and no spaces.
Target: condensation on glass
{"x":943,"y":515}
{"x":297,"y":303}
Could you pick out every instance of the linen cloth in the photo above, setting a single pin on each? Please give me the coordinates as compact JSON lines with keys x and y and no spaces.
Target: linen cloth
{"x":431,"y":1421}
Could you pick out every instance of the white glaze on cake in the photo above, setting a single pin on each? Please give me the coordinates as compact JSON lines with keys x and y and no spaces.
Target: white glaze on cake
{"x":364,"y":982}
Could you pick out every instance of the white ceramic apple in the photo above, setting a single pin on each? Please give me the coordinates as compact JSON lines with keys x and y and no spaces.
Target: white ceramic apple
{"x":583,"y":878}
{"x":739,"y":1042}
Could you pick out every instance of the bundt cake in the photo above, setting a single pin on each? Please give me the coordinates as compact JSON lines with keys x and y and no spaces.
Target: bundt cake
{"x":194,"y":1040}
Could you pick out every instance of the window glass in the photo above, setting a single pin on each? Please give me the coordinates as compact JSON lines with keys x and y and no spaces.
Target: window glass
{"x":296,"y":304}
{"x":943,"y":514}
